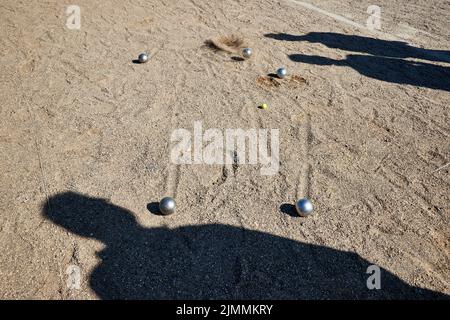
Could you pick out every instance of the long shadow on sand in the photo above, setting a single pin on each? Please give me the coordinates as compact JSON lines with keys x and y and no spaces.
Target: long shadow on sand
{"x":213,"y":261}
{"x":382,"y":59}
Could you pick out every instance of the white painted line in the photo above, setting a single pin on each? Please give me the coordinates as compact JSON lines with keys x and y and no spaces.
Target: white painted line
{"x":337,"y":17}
{"x":443,"y":167}
{"x":442,"y":57}
{"x":329,"y":14}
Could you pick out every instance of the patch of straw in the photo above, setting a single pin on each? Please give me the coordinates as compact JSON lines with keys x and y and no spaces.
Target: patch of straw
{"x":230,"y":44}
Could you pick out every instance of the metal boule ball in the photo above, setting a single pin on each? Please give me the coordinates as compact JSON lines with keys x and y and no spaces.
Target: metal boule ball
{"x":281,"y":73}
{"x":167,"y":206}
{"x":304,"y":207}
{"x":143,"y":57}
{"x":247,"y":53}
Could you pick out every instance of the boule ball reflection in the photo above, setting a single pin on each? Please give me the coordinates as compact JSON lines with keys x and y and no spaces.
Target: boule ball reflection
{"x":143,"y":57}
{"x":167,"y":206}
{"x":281,"y":73}
{"x":247,"y":53}
{"x":304,"y":207}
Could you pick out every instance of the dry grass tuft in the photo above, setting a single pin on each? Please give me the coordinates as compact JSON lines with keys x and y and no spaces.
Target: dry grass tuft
{"x":296,"y":81}
{"x":231,"y":44}
{"x":267,"y":81}
{"x":291,"y":82}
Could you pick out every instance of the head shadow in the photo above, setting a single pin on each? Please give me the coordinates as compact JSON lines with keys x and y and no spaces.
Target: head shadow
{"x":89,"y":217}
{"x":213,"y":261}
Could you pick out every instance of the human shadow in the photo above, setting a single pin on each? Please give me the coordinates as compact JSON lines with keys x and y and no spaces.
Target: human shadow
{"x":388,"y":69}
{"x":375,"y":47}
{"x":384,"y":60}
{"x":213,"y":261}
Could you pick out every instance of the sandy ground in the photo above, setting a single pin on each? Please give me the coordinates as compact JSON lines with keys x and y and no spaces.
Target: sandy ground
{"x":365,"y":137}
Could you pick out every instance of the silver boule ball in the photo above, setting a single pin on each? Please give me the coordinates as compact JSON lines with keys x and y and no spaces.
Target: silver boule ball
{"x":167,"y":206}
{"x":247,"y":53}
{"x":304,"y":207}
{"x":281,"y":73}
{"x":143,"y":57}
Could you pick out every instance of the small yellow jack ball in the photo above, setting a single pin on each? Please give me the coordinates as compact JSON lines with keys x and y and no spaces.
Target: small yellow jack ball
{"x":264,"y":106}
